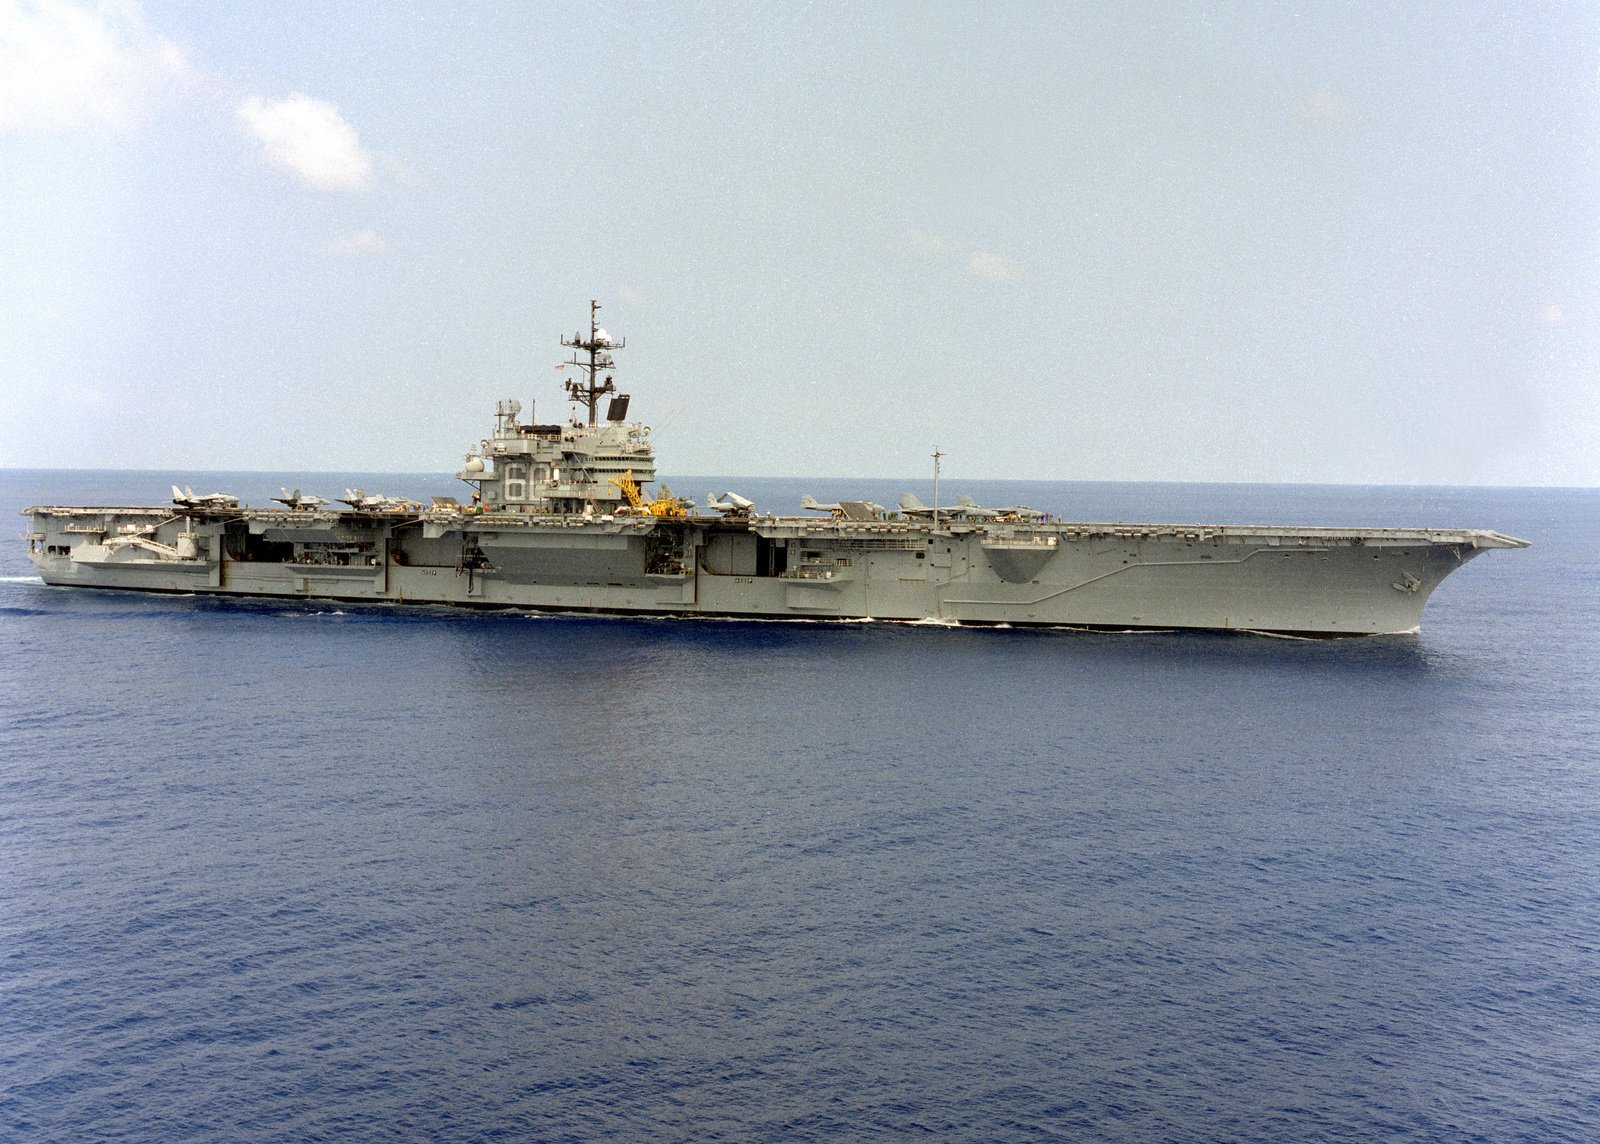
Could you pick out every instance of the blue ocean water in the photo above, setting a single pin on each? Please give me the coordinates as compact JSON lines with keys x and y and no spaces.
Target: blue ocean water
{"x":302,"y":871}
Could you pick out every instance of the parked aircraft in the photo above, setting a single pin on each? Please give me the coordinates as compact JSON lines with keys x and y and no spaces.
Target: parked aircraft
{"x":377,"y":502}
{"x":730,"y":503}
{"x":188,"y":498}
{"x":972,"y":510}
{"x":968,"y":507}
{"x":845,"y":510}
{"x":298,"y":500}
{"x":912,"y":507}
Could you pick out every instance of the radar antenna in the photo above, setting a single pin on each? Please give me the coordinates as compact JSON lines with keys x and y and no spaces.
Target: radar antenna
{"x":587,"y":392}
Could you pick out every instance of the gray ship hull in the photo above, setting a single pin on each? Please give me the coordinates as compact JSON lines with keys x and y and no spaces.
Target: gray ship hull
{"x":1306,"y":581}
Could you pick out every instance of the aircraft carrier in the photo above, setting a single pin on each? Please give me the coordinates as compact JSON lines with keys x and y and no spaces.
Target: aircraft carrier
{"x":560,"y":517}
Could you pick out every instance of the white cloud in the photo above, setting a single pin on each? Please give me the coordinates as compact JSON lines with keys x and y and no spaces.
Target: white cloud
{"x":925,"y":243}
{"x":361,"y":244}
{"x":1327,"y":109}
{"x":65,"y":66}
{"x":984,"y":264}
{"x":309,"y":139}
{"x":993,"y":268}
{"x":68,"y":65}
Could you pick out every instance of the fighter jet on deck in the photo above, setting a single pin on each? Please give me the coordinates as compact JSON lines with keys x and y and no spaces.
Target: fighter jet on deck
{"x":730,"y":503}
{"x":377,"y":502}
{"x":188,"y":498}
{"x":296,"y":499}
{"x":845,"y":510}
{"x":972,"y":510}
{"x":912,"y":507}
{"x":968,"y":507}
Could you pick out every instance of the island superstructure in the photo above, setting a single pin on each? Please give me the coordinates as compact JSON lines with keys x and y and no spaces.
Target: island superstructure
{"x":583,"y":467}
{"x":560,"y":518}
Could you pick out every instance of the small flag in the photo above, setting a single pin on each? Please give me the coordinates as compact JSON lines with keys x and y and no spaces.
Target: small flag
{"x":561,"y":367}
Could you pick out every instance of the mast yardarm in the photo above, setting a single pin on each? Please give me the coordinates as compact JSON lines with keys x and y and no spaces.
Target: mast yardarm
{"x":587,"y":392}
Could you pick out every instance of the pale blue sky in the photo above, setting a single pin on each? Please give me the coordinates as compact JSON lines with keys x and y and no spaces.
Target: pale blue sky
{"x":1256,"y":241}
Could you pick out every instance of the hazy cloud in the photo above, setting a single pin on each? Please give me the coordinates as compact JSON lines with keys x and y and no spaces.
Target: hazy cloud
{"x":68,"y":66}
{"x":65,"y":66}
{"x":993,"y":268}
{"x":309,"y":139}
{"x":924,"y":243}
{"x":361,"y":244}
{"x":1326,"y":109}
{"x":982,"y":264}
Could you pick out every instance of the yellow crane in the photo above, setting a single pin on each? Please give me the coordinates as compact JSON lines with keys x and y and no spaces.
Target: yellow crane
{"x":664,"y":505}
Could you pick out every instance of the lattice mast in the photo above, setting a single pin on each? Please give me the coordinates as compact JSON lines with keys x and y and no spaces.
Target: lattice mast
{"x":587,"y":391}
